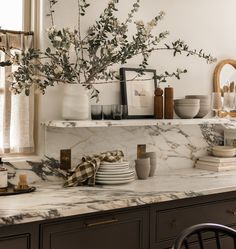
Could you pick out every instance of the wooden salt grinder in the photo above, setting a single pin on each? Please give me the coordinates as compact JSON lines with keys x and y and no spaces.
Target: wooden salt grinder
{"x":169,"y":103}
{"x":158,"y":103}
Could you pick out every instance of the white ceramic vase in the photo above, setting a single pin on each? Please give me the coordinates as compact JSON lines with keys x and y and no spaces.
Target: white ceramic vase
{"x":75,"y":103}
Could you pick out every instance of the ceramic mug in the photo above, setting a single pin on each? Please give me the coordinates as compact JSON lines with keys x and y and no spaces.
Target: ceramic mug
{"x":142,"y":167}
{"x":153,"y":161}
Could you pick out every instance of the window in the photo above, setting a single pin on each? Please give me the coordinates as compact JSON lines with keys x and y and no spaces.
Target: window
{"x":9,"y":9}
{"x":16,"y":111}
{"x":16,"y":14}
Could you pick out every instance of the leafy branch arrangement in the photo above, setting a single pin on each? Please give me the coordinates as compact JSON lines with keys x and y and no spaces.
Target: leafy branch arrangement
{"x":107,"y":43}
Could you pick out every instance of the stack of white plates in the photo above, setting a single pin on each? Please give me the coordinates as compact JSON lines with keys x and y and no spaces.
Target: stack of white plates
{"x":114,"y":173}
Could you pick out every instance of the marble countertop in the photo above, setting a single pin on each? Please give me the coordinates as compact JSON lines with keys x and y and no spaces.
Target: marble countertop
{"x":50,"y":200}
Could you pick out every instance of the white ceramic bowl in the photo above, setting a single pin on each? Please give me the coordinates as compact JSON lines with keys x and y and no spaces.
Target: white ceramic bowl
{"x":224,"y":151}
{"x":203,"y":111}
{"x":205,"y":105}
{"x":187,"y":101}
{"x":186,"y":111}
{"x":202,"y":97}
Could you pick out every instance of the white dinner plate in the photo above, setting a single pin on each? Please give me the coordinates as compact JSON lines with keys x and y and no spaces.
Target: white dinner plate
{"x":115,"y":182}
{"x":113,"y":168}
{"x":112,"y":177}
{"x":117,"y":171}
{"x":115,"y":163}
{"x":116,"y":174}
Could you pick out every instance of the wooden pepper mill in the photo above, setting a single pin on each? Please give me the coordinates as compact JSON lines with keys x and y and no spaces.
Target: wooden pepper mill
{"x":169,"y":103}
{"x":158,"y":103}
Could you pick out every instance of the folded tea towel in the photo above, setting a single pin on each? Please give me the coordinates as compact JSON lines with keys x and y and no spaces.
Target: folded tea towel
{"x":85,"y":172}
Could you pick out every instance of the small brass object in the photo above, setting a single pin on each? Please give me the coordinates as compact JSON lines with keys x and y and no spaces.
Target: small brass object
{"x":65,"y":159}
{"x":22,"y":184}
{"x":141,"y":149}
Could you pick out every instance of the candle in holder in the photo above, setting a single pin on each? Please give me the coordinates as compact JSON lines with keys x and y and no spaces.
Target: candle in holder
{"x":22,"y":184}
{"x":3,"y":177}
{"x":216,"y":103}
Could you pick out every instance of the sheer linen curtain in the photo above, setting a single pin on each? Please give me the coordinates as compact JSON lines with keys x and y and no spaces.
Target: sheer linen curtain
{"x":16,"y":111}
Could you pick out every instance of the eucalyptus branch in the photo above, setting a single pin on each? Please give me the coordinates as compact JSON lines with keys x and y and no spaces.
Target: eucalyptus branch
{"x":79,"y":36}
{"x":51,"y":10}
{"x":135,"y":8}
{"x":162,"y":77}
{"x":81,"y":44}
{"x":107,"y":43}
{"x":179,"y":46}
{"x":5,"y":63}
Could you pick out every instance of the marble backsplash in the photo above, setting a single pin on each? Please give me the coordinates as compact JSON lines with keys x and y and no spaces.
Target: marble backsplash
{"x":177,"y":146}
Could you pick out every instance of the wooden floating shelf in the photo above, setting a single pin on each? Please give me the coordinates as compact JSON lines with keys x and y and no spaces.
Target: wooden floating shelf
{"x":132,"y":122}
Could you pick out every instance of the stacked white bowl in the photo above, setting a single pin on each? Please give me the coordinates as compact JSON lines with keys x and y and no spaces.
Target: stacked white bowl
{"x":224,"y":151}
{"x":187,"y":108}
{"x":205,"y":104}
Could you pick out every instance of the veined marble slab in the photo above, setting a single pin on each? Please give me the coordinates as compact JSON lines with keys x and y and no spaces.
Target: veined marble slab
{"x":51,"y":200}
{"x":176,"y":146}
{"x":132,"y":122}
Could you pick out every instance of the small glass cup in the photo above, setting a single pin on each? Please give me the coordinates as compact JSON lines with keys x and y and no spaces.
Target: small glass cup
{"x":125,"y":112}
{"x":96,"y":112}
{"x":229,"y":102}
{"x":117,"y":112}
{"x":107,"y":111}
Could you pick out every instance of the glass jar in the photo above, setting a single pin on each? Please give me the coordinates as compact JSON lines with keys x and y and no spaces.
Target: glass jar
{"x":230,"y":137}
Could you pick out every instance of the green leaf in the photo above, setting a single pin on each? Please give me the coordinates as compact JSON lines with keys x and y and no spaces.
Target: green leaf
{"x":27,"y":92}
{"x":48,"y":50}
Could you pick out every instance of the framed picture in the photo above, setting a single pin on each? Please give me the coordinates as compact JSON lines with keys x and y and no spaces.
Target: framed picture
{"x":137,"y":91}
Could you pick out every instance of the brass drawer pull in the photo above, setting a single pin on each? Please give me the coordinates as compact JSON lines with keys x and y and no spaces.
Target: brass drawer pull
{"x":101,"y":223}
{"x":233,"y":212}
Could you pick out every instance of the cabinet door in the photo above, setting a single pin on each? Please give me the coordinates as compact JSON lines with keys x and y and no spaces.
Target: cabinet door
{"x":126,"y":230}
{"x":15,"y":242}
{"x":225,"y":242}
{"x":166,"y":224}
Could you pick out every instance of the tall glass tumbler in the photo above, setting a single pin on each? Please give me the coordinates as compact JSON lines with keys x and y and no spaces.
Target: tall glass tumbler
{"x":107,"y":111}
{"x":229,"y":102}
{"x":96,"y":112}
{"x":117,"y":112}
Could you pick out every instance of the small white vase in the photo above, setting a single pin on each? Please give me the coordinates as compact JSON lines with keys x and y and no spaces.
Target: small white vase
{"x":75,"y":103}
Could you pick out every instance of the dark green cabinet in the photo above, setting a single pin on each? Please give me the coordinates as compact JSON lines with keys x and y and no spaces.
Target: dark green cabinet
{"x":153,"y":226}
{"x":120,"y":230}
{"x":170,"y":218}
{"x":21,"y":236}
{"x":15,"y":242}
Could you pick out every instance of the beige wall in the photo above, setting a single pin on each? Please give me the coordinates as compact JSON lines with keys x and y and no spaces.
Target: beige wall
{"x":207,"y":24}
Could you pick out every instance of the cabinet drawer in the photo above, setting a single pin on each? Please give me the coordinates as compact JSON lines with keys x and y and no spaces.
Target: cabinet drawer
{"x":169,"y":223}
{"x":126,"y":230}
{"x":15,"y":242}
